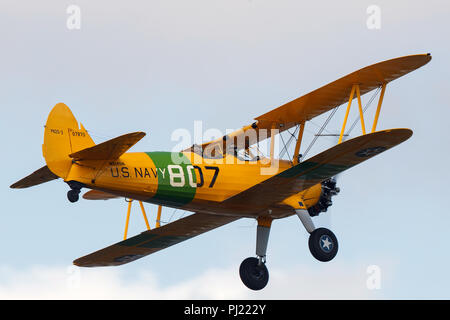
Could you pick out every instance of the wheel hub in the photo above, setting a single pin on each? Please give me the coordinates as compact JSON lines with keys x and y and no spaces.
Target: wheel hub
{"x":326,"y":243}
{"x":257,"y":273}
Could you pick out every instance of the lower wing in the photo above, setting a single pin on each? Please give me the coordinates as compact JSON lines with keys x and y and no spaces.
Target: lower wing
{"x":151,"y":241}
{"x":318,"y":168}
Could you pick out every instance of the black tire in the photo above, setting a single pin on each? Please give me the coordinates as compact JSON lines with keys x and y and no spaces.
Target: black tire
{"x":73,"y":195}
{"x":254,"y":276}
{"x":323,"y":244}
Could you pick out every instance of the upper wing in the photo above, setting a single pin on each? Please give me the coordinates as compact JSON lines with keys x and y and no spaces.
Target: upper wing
{"x":318,"y":168}
{"x":109,"y":150}
{"x":337,"y":92}
{"x":39,"y":176}
{"x":153,"y":240}
{"x":324,"y":99}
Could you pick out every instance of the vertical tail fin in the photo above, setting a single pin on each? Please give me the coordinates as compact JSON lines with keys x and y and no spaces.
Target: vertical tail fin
{"x":62,"y":137}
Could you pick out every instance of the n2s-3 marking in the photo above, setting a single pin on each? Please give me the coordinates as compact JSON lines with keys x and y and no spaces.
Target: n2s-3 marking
{"x":177,"y":177}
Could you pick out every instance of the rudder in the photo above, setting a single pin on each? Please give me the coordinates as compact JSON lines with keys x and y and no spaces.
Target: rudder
{"x":63,"y":136}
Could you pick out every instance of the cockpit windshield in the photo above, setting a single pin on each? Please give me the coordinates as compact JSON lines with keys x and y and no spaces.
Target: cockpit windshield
{"x":215,"y":152}
{"x":250,"y":154}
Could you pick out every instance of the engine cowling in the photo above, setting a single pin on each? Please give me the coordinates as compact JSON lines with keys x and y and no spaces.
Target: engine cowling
{"x":329,"y":189}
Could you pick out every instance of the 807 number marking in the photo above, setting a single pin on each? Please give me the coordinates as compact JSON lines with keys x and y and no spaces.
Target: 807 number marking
{"x":177,"y":178}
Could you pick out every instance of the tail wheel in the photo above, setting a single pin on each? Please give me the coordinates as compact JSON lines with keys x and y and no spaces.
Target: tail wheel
{"x":73,"y":195}
{"x":254,"y":274}
{"x":323,"y":244}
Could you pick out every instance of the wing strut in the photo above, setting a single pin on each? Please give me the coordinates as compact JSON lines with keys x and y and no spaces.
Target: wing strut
{"x":356,"y":89}
{"x":380,"y":102}
{"x":130,"y":202}
{"x":298,"y":144}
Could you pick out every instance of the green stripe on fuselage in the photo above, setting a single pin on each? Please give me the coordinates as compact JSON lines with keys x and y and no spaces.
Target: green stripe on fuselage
{"x":168,"y":192}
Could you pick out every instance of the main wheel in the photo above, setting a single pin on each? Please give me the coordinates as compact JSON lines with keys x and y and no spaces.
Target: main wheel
{"x":73,"y":195}
{"x":254,"y":275}
{"x":323,"y":244}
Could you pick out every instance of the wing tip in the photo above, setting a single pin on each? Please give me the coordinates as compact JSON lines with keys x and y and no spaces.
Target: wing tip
{"x":88,"y":262}
{"x":81,"y":262}
{"x":403,"y":133}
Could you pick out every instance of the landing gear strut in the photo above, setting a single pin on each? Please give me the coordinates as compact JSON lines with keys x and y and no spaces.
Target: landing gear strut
{"x":253,"y":271}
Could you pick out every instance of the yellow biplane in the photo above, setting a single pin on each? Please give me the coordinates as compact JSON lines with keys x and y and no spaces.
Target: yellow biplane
{"x":223,"y":180}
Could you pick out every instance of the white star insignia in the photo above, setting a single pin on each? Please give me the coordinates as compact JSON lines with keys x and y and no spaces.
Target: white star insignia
{"x":326,"y":243}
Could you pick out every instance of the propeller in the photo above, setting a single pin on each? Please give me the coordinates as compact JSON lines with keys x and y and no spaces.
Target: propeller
{"x":329,"y":189}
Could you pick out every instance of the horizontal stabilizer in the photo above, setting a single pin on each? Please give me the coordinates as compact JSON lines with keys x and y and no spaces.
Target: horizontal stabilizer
{"x":154,"y":240}
{"x":39,"y":176}
{"x":98,"y":195}
{"x":109,"y":150}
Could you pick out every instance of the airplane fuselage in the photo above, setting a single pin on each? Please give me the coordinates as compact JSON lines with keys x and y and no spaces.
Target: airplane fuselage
{"x":183,"y":180}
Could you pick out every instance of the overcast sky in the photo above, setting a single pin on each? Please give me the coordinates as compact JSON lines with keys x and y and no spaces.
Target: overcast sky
{"x":157,"y":66}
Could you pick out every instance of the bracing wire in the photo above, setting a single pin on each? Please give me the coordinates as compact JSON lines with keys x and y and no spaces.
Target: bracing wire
{"x":368,"y":104}
{"x":173,"y":212}
{"x":286,"y":145}
{"x":184,"y":213}
{"x":320,"y":131}
{"x":319,"y":126}
{"x":285,"y":148}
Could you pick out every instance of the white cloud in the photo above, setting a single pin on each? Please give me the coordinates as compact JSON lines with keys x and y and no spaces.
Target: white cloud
{"x":337,"y":281}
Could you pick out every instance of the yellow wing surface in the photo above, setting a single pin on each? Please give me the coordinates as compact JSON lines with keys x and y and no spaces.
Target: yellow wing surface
{"x":318,"y":168}
{"x":325,"y":98}
{"x":151,"y":241}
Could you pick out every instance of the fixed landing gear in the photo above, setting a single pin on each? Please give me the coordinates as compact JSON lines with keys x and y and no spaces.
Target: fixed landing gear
{"x":73,"y":195}
{"x":322,"y":242}
{"x":253,"y":271}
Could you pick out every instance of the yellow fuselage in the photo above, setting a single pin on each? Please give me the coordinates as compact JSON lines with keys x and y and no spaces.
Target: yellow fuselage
{"x":184,"y":180}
